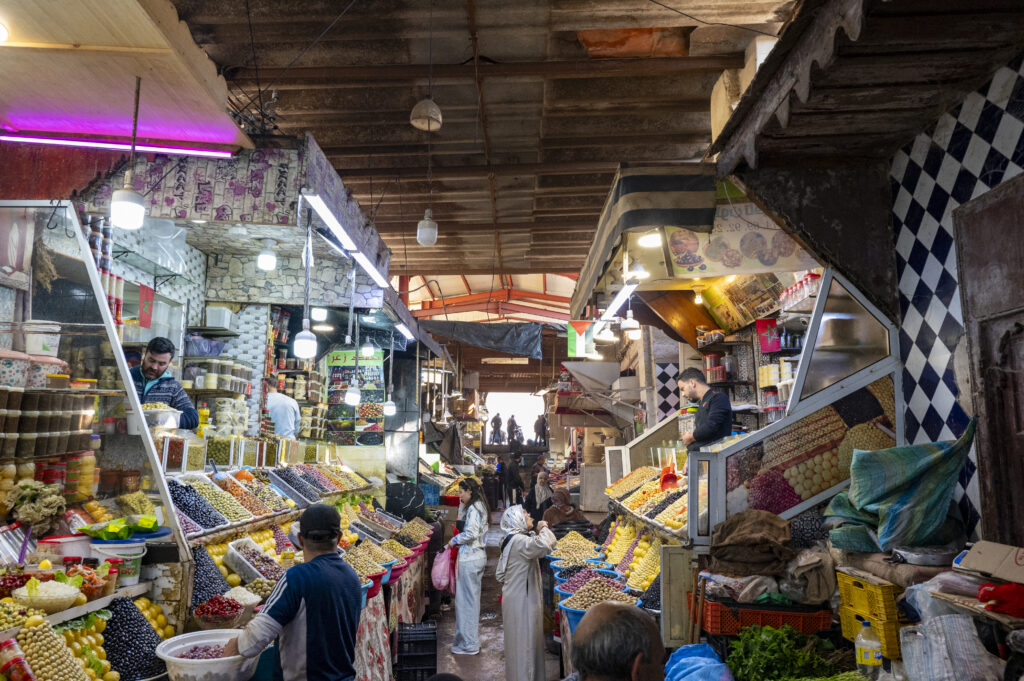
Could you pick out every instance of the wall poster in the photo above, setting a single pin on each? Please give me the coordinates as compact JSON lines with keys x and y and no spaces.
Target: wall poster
{"x":361,"y":425}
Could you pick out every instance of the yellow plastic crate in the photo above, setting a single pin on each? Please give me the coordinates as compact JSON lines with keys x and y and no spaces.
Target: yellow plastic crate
{"x":867,"y":598}
{"x":887,"y":631}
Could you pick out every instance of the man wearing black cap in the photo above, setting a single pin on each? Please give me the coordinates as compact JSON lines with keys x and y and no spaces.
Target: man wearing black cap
{"x":314,"y":609}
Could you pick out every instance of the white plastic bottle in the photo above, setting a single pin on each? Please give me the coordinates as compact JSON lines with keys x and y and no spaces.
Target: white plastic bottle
{"x":869,"y":652}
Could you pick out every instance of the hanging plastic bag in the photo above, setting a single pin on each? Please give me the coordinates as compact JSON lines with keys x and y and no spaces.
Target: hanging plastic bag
{"x":443,"y":573}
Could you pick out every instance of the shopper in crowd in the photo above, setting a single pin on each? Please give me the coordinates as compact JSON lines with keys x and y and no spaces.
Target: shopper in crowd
{"x":540,"y":430}
{"x":572,"y":465}
{"x":714,"y":411}
{"x":617,"y":642}
{"x":522,"y":606}
{"x":539,"y":499}
{"x":283,"y":410}
{"x":314,"y":609}
{"x":513,"y":429}
{"x":513,"y":476}
{"x":496,"y":429}
{"x":155,"y":383}
{"x":539,"y":466}
{"x":562,"y":510}
{"x":474,"y":514}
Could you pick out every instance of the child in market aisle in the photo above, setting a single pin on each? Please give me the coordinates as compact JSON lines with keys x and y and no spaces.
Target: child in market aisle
{"x":522,"y":607}
{"x":473,"y":513}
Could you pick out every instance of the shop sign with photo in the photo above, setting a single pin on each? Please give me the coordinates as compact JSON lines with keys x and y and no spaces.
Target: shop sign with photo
{"x":363,"y":424}
{"x":735,"y":302}
{"x":743,"y":241}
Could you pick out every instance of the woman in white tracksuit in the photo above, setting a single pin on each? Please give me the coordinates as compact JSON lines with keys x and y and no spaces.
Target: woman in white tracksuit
{"x":474,"y":513}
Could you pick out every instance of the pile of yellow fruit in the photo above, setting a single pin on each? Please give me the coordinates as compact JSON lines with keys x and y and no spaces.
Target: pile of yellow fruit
{"x":674,"y":516}
{"x":98,"y":512}
{"x":265,"y":540}
{"x":154,"y":614}
{"x":624,"y":536}
{"x":639,"y":497}
{"x":217,"y":552}
{"x":86,"y":643}
{"x":646,"y":564}
{"x":631,"y":481}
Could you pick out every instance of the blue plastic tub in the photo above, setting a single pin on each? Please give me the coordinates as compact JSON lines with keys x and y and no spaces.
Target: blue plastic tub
{"x":387,"y":575}
{"x":611,"y":574}
{"x":573,"y":616}
{"x":365,"y":588}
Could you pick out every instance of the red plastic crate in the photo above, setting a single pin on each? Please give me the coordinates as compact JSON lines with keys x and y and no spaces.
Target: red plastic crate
{"x":727,"y":619}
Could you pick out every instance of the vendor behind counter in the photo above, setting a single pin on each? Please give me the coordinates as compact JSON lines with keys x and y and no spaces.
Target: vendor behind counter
{"x":714,"y":411}
{"x":154,"y":382}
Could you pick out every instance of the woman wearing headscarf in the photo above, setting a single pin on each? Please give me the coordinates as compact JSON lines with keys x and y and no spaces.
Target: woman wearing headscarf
{"x":522,"y":604}
{"x":562,"y":510}
{"x":473,"y":513}
{"x":539,"y":499}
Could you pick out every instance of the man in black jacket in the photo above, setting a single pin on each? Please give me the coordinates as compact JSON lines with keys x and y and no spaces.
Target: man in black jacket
{"x":714,"y":411}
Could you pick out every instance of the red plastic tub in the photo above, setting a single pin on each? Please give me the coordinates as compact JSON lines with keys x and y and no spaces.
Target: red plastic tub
{"x":399,"y":568}
{"x":375,"y":586}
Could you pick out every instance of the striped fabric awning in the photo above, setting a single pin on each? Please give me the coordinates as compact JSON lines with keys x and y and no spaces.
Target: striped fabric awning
{"x":642,"y":199}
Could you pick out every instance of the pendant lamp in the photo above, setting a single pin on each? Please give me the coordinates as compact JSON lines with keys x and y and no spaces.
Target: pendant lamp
{"x":305,"y":345}
{"x":390,"y":408}
{"x":426,"y":230}
{"x":127,"y":206}
{"x":426,"y":116}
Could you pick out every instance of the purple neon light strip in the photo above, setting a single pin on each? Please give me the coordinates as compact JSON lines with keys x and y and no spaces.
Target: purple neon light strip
{"x":118,"y":146}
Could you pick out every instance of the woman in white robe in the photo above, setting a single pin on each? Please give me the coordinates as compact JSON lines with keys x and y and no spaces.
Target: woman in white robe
{"x":522,"y":607}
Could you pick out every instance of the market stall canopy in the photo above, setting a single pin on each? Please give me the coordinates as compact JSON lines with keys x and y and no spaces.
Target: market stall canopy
{"x":523,"y":340}
{"x":71,"y":74}
{"x":644,"y":199}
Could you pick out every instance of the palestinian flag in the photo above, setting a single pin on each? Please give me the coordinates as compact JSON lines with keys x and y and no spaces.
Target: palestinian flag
{"x":581,"y":338}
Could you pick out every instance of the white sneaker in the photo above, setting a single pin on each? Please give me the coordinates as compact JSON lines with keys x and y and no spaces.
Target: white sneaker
{"x":460,"y":651}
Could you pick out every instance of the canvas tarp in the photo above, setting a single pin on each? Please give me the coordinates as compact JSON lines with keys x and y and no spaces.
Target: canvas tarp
{"x":522,"y":340}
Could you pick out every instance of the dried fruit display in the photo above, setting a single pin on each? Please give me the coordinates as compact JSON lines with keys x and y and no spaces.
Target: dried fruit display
{"x":646,"y":491}
{"x":631,"y":481}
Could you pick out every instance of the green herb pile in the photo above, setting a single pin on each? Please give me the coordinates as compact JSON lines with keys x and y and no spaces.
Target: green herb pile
{"x":784,"y":654}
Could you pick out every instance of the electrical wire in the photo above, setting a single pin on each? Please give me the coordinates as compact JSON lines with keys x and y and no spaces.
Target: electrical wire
{"x":711,"y":23}
{"x":255,"y":66}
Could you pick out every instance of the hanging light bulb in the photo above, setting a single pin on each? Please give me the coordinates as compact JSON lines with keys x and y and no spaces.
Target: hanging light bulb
{"x":697,"y":297}
{"x":426,"y":230}
{"x":390,"y":408}
{"x":367,"y":350}
{"x":630,"y":327}
{"x":318,"y":314}
{"x":304,"y":346}
{"x":127,"y":207}
{"x":606,"y":335}
{"x":353,"y":395}
{"x":267,"y":259}
{"x":426,"y":116}
{"x":650,"y":240}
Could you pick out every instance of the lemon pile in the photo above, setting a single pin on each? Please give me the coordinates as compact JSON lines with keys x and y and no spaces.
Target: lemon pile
{"x":154,"y":614}
{"x":631,"y":481}
{"x":674,"y":517}
{"x":646,"y":564}
{"x":625,"y":534}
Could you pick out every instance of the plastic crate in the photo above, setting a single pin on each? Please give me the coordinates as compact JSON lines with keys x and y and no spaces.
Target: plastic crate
{"x":728,"y":618}
{"x":414,"y":673}
{"x":417,"y":651}
{"x":431,"y":493}
{"x":888,"y":631}
{"x":868,"y":599}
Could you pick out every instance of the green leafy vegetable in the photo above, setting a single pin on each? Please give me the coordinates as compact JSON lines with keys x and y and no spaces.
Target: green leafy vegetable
{"x":32,"y":586}
{"x":92,"y":660}
{"x":76,"y":581}
{"x":769,"y":654}
{"x":60,"y":576}
{"x":103,"y":570}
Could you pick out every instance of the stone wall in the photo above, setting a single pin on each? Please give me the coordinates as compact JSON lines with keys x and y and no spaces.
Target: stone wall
{"x":236,"y":279}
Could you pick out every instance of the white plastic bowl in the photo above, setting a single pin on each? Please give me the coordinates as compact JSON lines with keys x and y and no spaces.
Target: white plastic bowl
{"x":235,"y":668}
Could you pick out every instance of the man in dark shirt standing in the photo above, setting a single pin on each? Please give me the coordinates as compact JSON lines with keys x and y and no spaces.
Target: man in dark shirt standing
{"x":314,"y":609}
{"x":714,"y":411}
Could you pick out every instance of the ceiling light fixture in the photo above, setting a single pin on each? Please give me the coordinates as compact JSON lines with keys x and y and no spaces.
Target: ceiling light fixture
{"x":323,"y":328}
{"x":115,"y":146}
{"x":318,"y":314}
{"x":426,"y":229}
{"x":367,"y":350}
{"x":650,"y":240}
{"x":353,"y":395}
{"x":404,"y":330}
{"x":638,"y":271}
{"x":390,"y":408}
{"x":305,"y":346}
{"x":606,"y":335}
{"x":127,"y":207}
{"x":267,"y":259}
{"x":426,"y":115}
{"x":621,"y":297}
{"x":630,"y":327}
{"x":697,"y":297}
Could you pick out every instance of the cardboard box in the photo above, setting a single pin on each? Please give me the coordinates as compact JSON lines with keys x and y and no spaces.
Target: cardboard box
{"x":992,"y":560}
{"x":447,"y":515}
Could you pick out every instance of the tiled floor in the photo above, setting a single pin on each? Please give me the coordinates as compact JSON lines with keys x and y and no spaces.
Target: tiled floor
{"x":489,"y":665}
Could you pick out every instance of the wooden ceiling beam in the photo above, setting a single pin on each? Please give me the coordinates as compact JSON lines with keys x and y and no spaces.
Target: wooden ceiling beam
{"x":444,"y":268}
{"x":447,"y":227}
{"x":357,"y":75}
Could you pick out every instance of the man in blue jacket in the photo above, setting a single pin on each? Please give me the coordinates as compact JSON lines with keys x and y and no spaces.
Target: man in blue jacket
{"x":154,"y":382}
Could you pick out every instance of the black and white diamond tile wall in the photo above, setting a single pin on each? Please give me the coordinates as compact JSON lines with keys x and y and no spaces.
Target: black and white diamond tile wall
{"x":974,"y":147}
{"x":668,"y":390}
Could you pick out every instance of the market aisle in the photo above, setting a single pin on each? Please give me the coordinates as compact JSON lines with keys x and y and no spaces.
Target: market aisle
{"x":490,"y":663}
